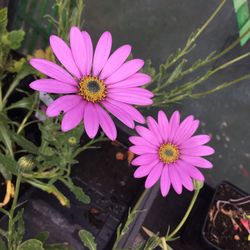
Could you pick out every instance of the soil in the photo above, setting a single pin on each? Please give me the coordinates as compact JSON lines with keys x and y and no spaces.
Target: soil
{"x":220,"y":230}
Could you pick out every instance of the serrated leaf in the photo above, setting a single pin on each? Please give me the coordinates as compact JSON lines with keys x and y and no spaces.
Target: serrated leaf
{"x":42,"y":236}
{"x":78,"y":192}
{"x":25,"y":144}
{"x":15,"y":38}
{"x":3,"y":20}
{"x":31,"y":244}
{"x":62,"y":246}
{"x":8,"y":163}
{"x":88,"y":239}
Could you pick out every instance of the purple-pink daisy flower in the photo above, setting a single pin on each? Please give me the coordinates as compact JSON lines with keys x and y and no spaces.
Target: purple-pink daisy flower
{"x":168,"y":151}
{"x":93,"y":83}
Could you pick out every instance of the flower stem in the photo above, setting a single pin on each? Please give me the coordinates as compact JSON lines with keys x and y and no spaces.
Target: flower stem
{"x":176,"y":230}
{"x":12,"y":210}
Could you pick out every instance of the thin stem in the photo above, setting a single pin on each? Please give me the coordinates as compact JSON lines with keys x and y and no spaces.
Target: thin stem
{"x":176,"y":230}
{"x":120,"y":231}
{"x":164,"y":244}
{"x":12,"y":210}
{"x":1,"y":95}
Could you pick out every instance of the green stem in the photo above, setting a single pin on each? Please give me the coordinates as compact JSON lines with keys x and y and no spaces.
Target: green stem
{"x":176,"y":230}
{"x":12,"y":211}
{"x":120,"y":230}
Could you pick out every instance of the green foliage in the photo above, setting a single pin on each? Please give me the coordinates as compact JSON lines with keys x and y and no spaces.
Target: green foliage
{"x":31,"y":244}
{"x":88,"y":239}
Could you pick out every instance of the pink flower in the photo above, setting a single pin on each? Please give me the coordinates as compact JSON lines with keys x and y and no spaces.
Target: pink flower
{"x":168,"y":151}
{"x":95,"y":82}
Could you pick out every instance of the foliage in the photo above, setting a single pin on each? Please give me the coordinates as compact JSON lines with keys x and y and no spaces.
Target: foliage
{"x":88,"y":239}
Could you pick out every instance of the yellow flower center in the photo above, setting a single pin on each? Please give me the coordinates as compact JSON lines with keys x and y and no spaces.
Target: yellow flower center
{"x":92,"y":89}
{"x":169,"y":153}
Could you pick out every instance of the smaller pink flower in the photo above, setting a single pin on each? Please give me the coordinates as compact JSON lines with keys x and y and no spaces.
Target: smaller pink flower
{"x":168,"y":151}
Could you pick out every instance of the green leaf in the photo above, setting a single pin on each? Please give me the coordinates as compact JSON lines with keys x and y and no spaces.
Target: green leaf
{"x":25,"y":103}
{"x":5,"y":133}
{"x":42,"y":236}
{"x":8,"y":163}
{"x":20,"y":228}
{"x":78,"y":192}
{"x":31,"y":244}
{"x":62,"y":246}
{"x":2,"y":245}
{"x":88,"y":239}
{"x":15,"y":38}
{"x":3,"y":20}
{"x":25,"y":144}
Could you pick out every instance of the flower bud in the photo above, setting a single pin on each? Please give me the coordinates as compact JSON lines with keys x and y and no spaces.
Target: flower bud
{"x":72,"y":141}
{"x":26,"y":163}
{"x":198,"y":184}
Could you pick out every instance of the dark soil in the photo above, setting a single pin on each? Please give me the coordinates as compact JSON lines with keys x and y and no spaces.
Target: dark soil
{"x":219,"y":229}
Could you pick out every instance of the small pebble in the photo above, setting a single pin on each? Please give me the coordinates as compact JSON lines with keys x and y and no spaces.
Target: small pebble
{"x":236,"y":237}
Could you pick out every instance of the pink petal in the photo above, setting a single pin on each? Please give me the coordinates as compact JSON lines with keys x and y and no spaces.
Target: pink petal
{"x":144,"y":170}
{"x":132,"y":99}
{"x":198,"y":151}
{"x":119,"y":114}
{"x":165,"y":181}
{"x":153,"y":126}
{"x":173,"y":124}
{"x":133,"y":112}
{"x":183,"y":129}
{"x":106,"y":123}
{"x":89,"y":51}
{"x":52,"y":70}
{"x":91,"y":122}
{"x":185,"y":178}
{"x":163,"y":125}
{"x":197,"y":161}
{"x":147,"y":135}
{"x":102,"y":52}
{"x":78,"y":49}
{"x":190,"y":130}
{"x":64,"y":55}
{"x":63,"y":103}
{"x":126,"y":70}
{"x":53,"y":86}
{"x":195,"y":141}
{"x":140,"y":141}
{"x":115,"y":61}
{"x":130,"y":91}
{"x":139,"y":150}
{"x":137,"y":79}
{"x":73,"y":117}
{"x":154,"y":175}
{"x":144,"y":159}
{"x":175,"y":179}
{"x":191,"y":170}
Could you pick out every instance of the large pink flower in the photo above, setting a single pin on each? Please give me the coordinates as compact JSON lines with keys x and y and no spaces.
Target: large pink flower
{"x":168,"y":151}
{"x":95,"y":82}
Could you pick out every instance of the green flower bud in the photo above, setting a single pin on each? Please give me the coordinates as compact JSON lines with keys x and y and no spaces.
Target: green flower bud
{"x":26,"y":163}
{"x":72,"y":141}
{"x":198,"y":184}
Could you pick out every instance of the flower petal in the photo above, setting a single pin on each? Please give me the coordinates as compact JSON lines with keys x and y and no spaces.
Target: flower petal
{"x":52,"y":70}
{"x":165,"y":181}
{"x":73,"y":117}
{"x":139,"y":150}
{"x":185,"y":178}
{"x":126,"y":70}
{"x":63,"y":103}
{"x":131,"y":91}
{"x":91,"y":121}
{"x":115,"y":61}
{"x":140,"y":141}
{"x":89,"y":51}
{"x":195,"y":141}
{"x":144,"y":170}
{"x":147,"y":135}
{"x":137,"y":79}
{"x":144,"y":159}
{"x":175,"y":179}
{"x":133,"y":112}
{"x":102,"y":52}
{"x":106,"y":123}
{"x":173,"y":125}
{"x":64,"y":55}
{"x":163,"y":125}
{"x":197,"y":161}
{"x":119,"y":114}
{"x":78,"y":49}
{"x":198,"y":151}
{"x":154,"y":175}
{"x":53,"y":86}
{"x":153,"y":126}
